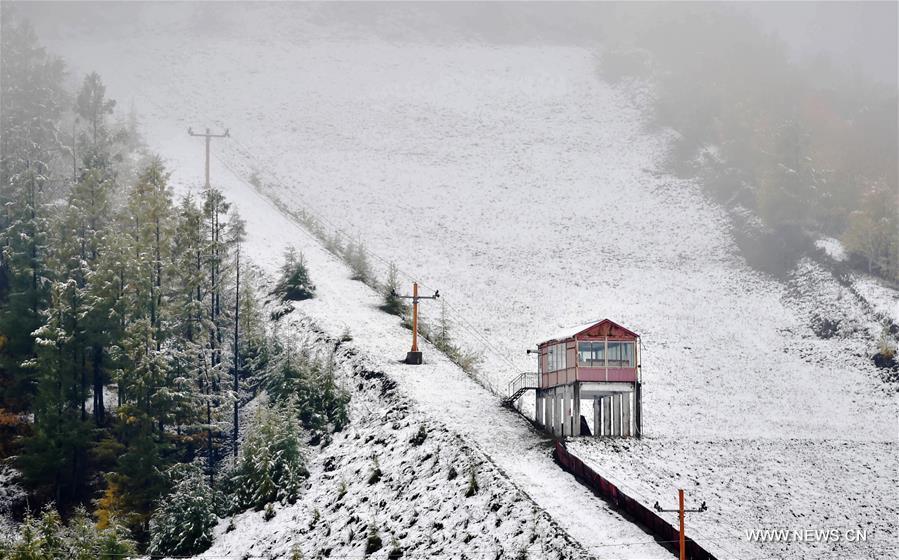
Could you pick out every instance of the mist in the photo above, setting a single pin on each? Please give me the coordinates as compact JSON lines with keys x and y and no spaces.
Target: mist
{"x":450,"y":279}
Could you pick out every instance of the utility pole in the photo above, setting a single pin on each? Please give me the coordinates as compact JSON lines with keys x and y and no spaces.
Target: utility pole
{"x":414,"y":356}
{"x":680,"y":515}
{"x":208,"y":136}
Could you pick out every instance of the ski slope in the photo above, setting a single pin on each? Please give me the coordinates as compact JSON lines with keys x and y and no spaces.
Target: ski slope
{"x":531,"y":194}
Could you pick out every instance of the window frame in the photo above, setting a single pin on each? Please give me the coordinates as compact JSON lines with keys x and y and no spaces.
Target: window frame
{"x":629,"y":353}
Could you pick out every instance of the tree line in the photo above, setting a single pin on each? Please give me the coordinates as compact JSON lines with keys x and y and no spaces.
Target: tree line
{"x":808,"y":146}
{"x":130,"y":334}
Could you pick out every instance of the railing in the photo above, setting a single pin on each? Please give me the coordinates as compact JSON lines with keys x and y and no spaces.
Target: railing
{"x":524,"y":382}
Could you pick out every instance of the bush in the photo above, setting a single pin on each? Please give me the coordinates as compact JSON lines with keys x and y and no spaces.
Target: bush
{"x":419,"y":437}
{"x":322,"y":404}
{"x":392,"y":302}
{"x":375,"y":473}
{"x":373,"y":542}
{"x":294,"y":284}
{"x":271,"y":466}
{"x":472,"y":484}
{"x":183,"y":523}
{"x":356,"y":257}
{"x":395,"y":551}
{"x":48,"y":537}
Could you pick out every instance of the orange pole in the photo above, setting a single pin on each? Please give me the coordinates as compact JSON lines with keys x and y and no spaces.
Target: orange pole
{"x":683,"y":548}
{"x":415,"y":316}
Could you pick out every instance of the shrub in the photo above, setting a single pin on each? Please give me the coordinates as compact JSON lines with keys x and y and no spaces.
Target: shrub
{"x":271,"y":466}
{"x":395,"y":551}
{"x":182,"y":524}
{"x":356,"y":257}
{"x":375,"y":473}
{"x":322,"y":404}
{"x":49,"y":537}
{"x":472,"y":484}
{"x":392,"y":302}
{"x":419,"y":437}
{"x":294,"y":284}
{"x":373,"y":542}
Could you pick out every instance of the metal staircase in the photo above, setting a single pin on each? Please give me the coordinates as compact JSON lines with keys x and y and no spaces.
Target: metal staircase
{"x":525,"y":382}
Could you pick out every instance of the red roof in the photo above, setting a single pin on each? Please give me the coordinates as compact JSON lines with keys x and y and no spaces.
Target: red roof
{"x":604,"y":327}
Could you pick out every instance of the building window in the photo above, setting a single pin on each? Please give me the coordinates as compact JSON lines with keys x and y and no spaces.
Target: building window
{"x":591,"y":354}
{"x":621,"y":354}
{"x":584,"y":353}
{"x":599,"y":354}
{"x":555,"y":357}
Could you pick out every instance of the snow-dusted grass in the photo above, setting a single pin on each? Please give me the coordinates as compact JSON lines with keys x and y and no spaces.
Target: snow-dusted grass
{"x":763,"y":483}
{"x":528,"y":192}
{"x":881,"y":297}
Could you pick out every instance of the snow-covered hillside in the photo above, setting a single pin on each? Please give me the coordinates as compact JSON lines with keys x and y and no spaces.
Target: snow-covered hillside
{"x":396,"y":474}
{"x":531,"y":195}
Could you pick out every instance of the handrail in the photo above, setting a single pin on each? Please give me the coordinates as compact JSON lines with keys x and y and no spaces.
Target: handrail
{"x":525,"y":381}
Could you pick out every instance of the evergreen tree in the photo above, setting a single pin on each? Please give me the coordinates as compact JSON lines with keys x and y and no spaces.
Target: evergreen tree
{"x":138,"y":480}
{"x":31,"y":101}
{"x":93,"y":106}
{"x":294,"y":283}
{"x":54,"y":455}
{"x":183,"y":523}
{"x":150,"y":208}
{"x":238,"y":233}
{"x":392,"y":302}
{"x":272,"y":466}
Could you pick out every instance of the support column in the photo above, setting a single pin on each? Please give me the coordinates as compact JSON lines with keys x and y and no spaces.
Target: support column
{"x":607,"y":416}
{"x":638,"y":409}
{"x":538,"y":408}
{"x":560,"y":411}
{"x":566,"y":410}
{"x":616,"y":415}
{"x":597,"y":418}
{"x":575,"y":409}
{"x":548,"y":410}
{"x":557,"y":412}
{"x":626,"y":414}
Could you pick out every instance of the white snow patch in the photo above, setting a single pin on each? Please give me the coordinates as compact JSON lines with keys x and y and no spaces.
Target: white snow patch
{"x":833,"y":247}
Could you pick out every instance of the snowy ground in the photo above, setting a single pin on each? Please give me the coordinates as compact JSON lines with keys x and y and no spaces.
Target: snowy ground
{"x":439,"y":389}
{"x":794,"y":484}
{"x":528,"y":192}
{"x":419,"y":503}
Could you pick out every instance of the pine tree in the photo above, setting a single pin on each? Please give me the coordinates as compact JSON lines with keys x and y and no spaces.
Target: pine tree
{"x":138,"y":477}
{"x":54,"y":455}
{"x":392,"y":302}
{"x":238,"y":233}
{"x":294,"y":283}
{"x":182,"y":525}
{"x":31,"y":101}
{"x":93,"y":106}
{"x":272,"y":466}
{"x":150,"y":207}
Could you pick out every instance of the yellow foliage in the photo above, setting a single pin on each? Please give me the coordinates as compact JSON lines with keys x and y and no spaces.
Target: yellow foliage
{"x":109,"y":506}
